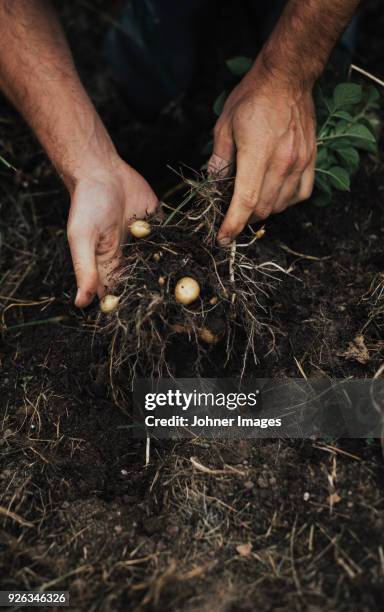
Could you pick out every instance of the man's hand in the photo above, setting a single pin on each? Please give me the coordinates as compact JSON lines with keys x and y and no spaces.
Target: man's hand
{"x":102,"y":204}
{"x":38,"y":74}
{"x":270,"y":128}
{"x":267,"y":126}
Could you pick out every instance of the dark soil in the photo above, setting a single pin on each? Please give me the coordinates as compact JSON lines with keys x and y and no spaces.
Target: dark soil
{"x":79,"y":509}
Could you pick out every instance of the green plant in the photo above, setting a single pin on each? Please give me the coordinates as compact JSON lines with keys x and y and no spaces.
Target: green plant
{"x":346,"y":124}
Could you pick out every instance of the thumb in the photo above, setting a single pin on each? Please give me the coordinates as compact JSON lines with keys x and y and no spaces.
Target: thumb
{"x":223,"y":154}
{"x":83,"y":248}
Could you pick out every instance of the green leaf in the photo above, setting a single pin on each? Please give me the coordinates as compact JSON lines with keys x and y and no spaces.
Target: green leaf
{"x":347,"y":94}
{"x":219,"y":103}
{"x":339,"y":178}
{"x":362,"y":137}
{"x":361,"y":131}
{"x":239,"y":65}
{"x":357,"y":135}
{"x":322,"y":182}
{"x":320,"y":199}
{"x":325,"y":157}
{"x":342,"y":114}
{"x":373,"y":95}
{"x":339,"y":142}
{"x":341,"y":126}
{"x":374,"y":124}
{"x":322,"y":102}
{"x":349,"y":156}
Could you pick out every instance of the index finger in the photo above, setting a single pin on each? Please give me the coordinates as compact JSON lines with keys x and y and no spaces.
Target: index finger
{"x":249,"y":181}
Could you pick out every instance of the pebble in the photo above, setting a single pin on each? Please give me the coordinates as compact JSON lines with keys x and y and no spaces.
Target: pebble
{"x":306,"y":496}
{"x":262,"y":482}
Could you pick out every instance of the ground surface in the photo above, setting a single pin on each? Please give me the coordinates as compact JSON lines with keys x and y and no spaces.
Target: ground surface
{"x":83,"y":511}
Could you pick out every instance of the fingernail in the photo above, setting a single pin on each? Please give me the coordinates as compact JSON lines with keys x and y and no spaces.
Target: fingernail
{"x":224,"y":241}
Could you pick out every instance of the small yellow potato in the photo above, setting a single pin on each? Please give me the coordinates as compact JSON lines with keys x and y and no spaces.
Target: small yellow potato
{"x":208,"y":336}
{"x":140,"y":229}
{"x":261,"y":232}
{"x":187,"y":290}
{"x":109,"y":303}
{"x":213,"y":301}
{"x":162,"y":281}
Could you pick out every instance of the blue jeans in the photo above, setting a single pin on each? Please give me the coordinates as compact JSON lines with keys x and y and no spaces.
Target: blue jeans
{"x":153,"y":48}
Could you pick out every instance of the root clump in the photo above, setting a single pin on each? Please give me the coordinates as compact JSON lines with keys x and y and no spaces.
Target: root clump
{"x":235,"y":286}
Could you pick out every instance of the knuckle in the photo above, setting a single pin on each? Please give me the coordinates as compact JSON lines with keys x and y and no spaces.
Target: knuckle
{"x":302,"y":161}
{"x":288,"y":159}
{"x":107,"y":244}
{"x":262,"y":211}
{"x":246,"y":201}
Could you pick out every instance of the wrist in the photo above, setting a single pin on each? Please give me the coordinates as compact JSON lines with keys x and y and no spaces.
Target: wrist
{"x":286,"y":68}
{"x":93,"y":157}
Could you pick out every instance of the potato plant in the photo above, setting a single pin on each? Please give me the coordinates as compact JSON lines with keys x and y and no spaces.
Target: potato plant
{"x":175,"y":286}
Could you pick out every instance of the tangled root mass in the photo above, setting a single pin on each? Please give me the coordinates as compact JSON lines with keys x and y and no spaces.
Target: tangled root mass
{"x":235,"y":289}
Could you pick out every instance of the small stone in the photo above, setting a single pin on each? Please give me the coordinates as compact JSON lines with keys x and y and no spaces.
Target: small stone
{"x":249,"y":484}
{"x":124,"y":472}
{"x":306,"y":496}
{"x":262,"y":482}
{"x":244,"y":550}
{"x":118,"y":529}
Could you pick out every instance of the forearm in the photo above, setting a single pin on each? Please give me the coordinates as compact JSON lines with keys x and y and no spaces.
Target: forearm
{"x":304,"y":37}
{"x":38,"y":75}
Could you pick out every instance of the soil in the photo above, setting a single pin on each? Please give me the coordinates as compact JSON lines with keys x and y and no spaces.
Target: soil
{"x":281,"y":525}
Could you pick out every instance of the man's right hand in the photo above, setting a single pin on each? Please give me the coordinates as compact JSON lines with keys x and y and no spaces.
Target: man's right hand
{"x":102,"y":205}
